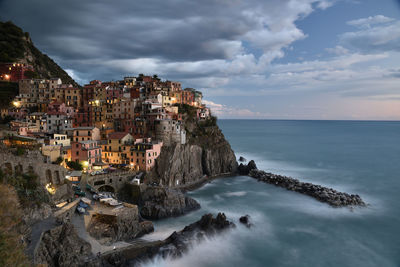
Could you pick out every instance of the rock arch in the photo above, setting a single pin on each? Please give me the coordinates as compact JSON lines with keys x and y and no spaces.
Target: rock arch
{"x":106,"y":188}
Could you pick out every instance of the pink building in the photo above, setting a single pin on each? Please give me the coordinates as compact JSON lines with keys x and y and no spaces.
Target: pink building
{"x":142,"y":156}
{"x":88,"y":153}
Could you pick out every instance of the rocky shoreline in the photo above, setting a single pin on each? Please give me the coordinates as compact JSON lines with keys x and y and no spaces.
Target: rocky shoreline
{"x":324,"y":194}
{"x":174,"y":246}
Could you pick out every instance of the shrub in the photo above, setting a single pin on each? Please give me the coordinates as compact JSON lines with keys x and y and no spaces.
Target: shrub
{"x":58,"y":161}
{"x":75,"y":165}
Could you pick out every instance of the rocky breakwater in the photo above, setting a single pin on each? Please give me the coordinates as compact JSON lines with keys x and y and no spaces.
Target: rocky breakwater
{"x":323,"y":194}
{"x":161,"y":202}
{"x":122,"y":224}
{"x":206,"y":154}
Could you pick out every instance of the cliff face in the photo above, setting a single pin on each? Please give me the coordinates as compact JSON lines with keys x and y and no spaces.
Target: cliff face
{"x":206,"y":153}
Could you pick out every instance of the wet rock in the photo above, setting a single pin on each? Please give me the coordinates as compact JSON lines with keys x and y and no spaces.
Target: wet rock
{"x":323,"y":194}
{"x":245,"y":220}
{"x":160,"y":202}
{"x":244,"y":169}
{"x":242,"y":159}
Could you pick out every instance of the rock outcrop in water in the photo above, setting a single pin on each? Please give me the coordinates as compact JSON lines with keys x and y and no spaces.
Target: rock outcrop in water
{"x":174,"y":246}
{"x":161,"y":202}
{"x":244,"y":169}
{"x":323,"y":194}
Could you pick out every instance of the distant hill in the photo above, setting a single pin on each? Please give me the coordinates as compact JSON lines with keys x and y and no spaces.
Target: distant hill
{"x":17,"y":46}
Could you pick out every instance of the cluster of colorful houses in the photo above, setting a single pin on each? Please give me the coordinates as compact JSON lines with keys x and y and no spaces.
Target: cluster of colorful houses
{"x":119,"y":123}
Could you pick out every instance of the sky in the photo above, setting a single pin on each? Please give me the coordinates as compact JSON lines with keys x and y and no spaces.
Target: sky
{"x":252,"y":59}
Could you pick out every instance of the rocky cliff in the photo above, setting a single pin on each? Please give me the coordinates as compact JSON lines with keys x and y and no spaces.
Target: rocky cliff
{"x":206,"y":153}
{"x":61,"y":246}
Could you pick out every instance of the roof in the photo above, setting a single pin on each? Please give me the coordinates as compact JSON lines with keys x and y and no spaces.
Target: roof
{"x":75,"y":173}
{"x":117,"y":135}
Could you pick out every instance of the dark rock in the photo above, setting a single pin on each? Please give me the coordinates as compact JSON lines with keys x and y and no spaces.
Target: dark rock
{"x":161,"y":202}
{"x":323,"y":194}
{"x":242,"y":159}
{"x":245,"y":220}
{"x":61,"y":246}
{"x":244,"y":169}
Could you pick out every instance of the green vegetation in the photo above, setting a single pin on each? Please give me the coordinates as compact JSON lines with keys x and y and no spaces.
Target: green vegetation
{"x":14,"y":43}
{"x":28,"y":189}
{"x":11,"y":249}
{"x":8,"y":91}
{"x":189,"y":111}
{"x":31,"y":74}
{"x":210,"y":122}
{"x":58,"y":161}
{"x":75,"y":165}
{"x":20,"y":151}
{"x":11,"y":42}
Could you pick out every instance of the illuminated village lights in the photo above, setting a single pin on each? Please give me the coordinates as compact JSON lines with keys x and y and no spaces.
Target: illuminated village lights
{"x":16,"y":104}
{"x":50,"y":188}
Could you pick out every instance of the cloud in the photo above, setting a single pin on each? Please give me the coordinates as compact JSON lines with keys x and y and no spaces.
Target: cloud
{"x":376,"y":34}
{"x":369,"y":21}
{"x":94,"y":37}
{"x":337,"y":50}
{"x":223,"y":111}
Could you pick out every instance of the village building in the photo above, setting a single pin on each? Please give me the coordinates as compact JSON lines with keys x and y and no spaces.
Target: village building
{"x":87,"y":153}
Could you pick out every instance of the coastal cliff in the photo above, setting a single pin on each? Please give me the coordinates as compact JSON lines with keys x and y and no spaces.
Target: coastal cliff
{"x":206,"y":154}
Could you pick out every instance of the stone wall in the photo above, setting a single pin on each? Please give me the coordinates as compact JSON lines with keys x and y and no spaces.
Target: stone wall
{"x":32,"y":162}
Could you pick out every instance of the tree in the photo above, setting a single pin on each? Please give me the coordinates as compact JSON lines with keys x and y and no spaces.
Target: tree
{"x":58,"y":161}
{"x":31,"y":74}
{"x":75,"y":165}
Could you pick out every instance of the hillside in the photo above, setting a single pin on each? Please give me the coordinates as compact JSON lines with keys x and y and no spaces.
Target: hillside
{"x":17,"y":46}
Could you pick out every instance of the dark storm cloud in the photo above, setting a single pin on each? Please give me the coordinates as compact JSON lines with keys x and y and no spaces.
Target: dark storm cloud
{"x":174,"y":30}
{"x":179,"y":39}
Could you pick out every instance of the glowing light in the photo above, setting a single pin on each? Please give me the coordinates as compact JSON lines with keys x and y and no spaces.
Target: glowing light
{"x":97,"y":102}
{"x":6,"y":76}
{"x":50,"y":189}
{"x":85,"y":164}
{"x":16,"y":104}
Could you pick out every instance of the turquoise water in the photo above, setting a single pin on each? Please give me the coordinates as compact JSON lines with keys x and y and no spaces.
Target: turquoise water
{"x":292,"y":229}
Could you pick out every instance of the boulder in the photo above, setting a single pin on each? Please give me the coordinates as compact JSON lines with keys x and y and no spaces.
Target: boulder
{"x":161,"y":202}
{"x":244,"y":169}
{"x":245,"y":220}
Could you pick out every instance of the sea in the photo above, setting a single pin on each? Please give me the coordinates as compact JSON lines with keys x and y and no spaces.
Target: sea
{"x":291,"y":229}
